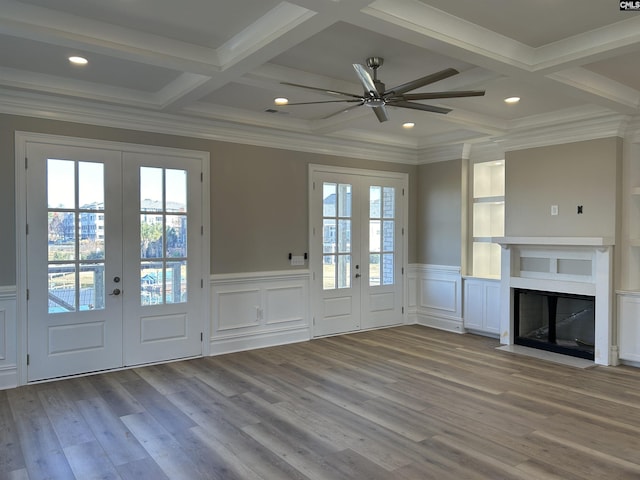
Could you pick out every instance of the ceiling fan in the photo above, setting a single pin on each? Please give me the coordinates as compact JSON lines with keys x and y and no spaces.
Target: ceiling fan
{"x":377,"y":97}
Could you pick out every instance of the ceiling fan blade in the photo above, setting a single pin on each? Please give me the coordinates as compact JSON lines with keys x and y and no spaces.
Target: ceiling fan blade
{"x":421,"y":82}
{"x":342,"y":111}
{"x":323,"y":101}
{"x":324,"y":90}
{"x":366,"y":80}
{"x":451,"y":94}
{"x":419,"y":106}
{"x":381,"y":113}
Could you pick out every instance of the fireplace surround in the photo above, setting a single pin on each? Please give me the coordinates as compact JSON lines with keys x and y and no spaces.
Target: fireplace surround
{"x":576,"y":266}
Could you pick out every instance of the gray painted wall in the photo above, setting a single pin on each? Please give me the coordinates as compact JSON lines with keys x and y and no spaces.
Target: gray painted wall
{"x":259,"y":200}
{"x":440,"y":224}
{"x":582,"y":173}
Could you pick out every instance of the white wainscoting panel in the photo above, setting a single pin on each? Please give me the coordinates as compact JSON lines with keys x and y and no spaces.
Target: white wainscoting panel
{"x":438,"y":297}
{"x":8,"y":338}
{"x":629,"y":326}
{"x":256,"y":310}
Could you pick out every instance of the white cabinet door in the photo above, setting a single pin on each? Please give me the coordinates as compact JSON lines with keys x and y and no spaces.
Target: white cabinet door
{"x":629,"y":327}
{"x":482,"y":305}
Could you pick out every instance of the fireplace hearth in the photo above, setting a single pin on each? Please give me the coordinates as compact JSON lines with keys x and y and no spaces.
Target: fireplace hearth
{"x":555,"y":321}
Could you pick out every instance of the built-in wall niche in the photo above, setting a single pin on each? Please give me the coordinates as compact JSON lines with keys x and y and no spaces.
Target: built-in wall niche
{"x":487,"y":217}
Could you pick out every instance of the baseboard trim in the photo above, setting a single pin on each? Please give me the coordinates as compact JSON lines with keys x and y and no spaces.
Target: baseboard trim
{"x":8,"y":378}
{"x":251,"y":341}
{"x":440,"y":323}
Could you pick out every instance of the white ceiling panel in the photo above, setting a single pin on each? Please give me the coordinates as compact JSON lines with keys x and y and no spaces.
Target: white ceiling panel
{"x":220,"y":64}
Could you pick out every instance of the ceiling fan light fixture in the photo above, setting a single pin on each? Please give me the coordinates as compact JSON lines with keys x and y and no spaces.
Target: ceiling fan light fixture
{"x":281,"y":101}
{"x":511,"y":100}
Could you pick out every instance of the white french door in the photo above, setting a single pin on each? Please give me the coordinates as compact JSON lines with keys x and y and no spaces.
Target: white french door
{"x":113,"y":254}
{"x":357,"y":250}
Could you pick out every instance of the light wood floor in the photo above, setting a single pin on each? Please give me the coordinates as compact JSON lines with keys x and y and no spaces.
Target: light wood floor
{"x":403,"y":403}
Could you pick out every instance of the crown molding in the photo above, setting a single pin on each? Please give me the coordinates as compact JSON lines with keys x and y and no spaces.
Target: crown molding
{"x":78,"y":111}
{"x":594,"y":127}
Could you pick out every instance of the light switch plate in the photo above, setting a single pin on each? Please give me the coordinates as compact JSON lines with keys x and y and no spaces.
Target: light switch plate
{"x":554,"y":209}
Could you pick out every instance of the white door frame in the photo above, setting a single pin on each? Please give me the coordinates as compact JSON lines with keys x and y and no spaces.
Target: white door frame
{"x":315,"y":252}
{"x":21,"y":141}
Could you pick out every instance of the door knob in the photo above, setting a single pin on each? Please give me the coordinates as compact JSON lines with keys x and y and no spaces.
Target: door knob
{"x":116,"y":291}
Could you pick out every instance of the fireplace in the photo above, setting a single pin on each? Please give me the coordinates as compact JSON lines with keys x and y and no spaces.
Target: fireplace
{"x":555,"y":321}
{"x":571,"y":275}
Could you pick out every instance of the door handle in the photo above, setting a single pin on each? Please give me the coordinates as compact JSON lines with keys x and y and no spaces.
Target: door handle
{"x":116,"y":291}
{"x":357,"y":275}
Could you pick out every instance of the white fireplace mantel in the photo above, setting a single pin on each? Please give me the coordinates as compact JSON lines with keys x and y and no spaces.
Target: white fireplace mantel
{"x":556,"y":241}
{"x":581,"y":265}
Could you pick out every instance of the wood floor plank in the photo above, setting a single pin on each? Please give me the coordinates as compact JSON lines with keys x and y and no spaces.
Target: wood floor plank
{"x":117,"y":441}
{"x":89,"y":461}
{"x":406,"y":403}
{"x":43,"y":454}
{"x":69,"y":425}
{"x":11,"y":458}
{"x":162,"y":447}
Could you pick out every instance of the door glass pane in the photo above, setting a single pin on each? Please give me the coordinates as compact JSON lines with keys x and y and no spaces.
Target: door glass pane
{"x":62,"y":236}
{"x":92,"y":286}
{"x":176,"y":282}
{"x":344,"y":236}
{"x":61,"y":184}
{"x":328,"y":272}
{"x":344,"y":200}
{"x":389,"y":200}
{"x":381,"y":235}
{"x":176,"y":236}
{"x":336,"y":235}
{"x":374,"y":270}
{"x":388,"y":227}
{"x":151,"y":236}
{"x":76,"y":235}
{"x":62,"y":288}
{"x":374,"y":201}
{"x":176,"y":190}
{"x":91,"y":185}
{"x":151,"y":189}
{"x":163,"y":236}
{"x":374,"y":235}
{"x":344,"y":271}
{"x":151,"y":283}
{"x":329,"y":199}
{"x":329,"y":236}
{"x":387,"y":269}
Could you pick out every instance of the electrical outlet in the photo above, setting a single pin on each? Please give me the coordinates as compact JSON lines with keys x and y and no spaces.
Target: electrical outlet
{"x":297,"y":260}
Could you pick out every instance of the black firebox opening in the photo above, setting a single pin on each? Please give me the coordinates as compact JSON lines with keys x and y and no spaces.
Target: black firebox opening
{"x":557,"y":322}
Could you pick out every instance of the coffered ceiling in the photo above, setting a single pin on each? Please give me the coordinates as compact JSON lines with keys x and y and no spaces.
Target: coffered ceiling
{"x":217,"y":66}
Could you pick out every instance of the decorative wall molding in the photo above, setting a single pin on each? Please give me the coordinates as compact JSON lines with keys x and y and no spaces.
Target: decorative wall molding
{"x":258,"y":309}
{"x":437,"y":299}
{"x":253,"y":132}
{"x":8,"y":338}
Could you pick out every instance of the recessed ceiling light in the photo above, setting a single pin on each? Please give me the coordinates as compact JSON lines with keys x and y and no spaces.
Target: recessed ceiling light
{"x":281,"y":101}
{"x":78,"y":60}
{"x":511,"y":100}
{"x":408,"y":125}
